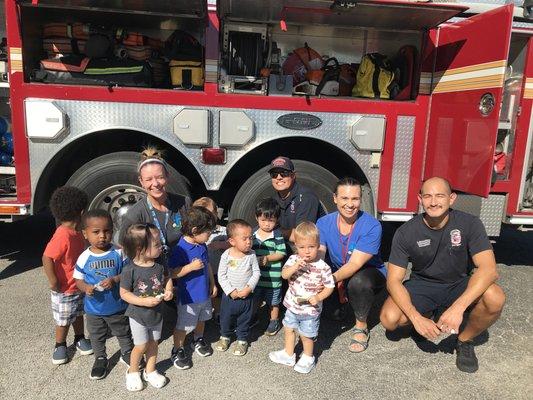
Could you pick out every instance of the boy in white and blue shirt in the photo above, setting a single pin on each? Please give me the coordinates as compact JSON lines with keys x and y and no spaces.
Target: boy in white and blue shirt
{"x":97,"y":273}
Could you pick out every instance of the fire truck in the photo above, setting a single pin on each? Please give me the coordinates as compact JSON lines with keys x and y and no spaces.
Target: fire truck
{"x":472,"y":95}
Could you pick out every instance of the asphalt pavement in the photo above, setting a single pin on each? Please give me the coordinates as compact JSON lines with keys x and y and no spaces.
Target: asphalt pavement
{"x":391,"y":368}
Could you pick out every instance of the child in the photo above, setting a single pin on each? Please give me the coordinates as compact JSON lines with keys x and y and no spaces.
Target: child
{"x":310,"y":282}
{"x":195,"y":284}
{"x":97,"y":274}
{"x":67,"y":204}
{"x":238,"y":274}
{"x":216,"y":244}
{"x":269,"y":246}
{"x":142,"y":285}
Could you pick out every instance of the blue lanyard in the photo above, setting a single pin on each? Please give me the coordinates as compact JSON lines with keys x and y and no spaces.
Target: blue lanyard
{"x":156,"y":222}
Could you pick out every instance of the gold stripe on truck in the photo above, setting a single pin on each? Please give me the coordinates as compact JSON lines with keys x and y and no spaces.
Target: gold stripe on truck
{"x":528,"y":90}
{"x":473,"y":77}
{"x":15,"y":59}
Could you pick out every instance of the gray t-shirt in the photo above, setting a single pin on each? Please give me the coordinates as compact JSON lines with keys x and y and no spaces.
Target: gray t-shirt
{"x":144,"y":282}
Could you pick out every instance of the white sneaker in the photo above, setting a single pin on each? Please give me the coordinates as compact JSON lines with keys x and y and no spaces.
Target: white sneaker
{"x":134,"y":382}
{"x":305,"y":364}
{"x":155,"y":379}
{"x":281,"y":357}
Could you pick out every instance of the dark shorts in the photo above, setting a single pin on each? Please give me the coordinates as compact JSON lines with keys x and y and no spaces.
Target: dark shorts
{"x":428,"y":297}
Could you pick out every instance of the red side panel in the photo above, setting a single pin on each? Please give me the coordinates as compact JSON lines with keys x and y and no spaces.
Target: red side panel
{"x":470,"y":62}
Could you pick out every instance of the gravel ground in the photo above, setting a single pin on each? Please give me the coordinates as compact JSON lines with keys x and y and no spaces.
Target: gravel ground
{"x":389,"y":369}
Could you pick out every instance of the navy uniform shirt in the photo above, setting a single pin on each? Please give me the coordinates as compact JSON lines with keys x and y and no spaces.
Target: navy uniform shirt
{"x":301,"y":205}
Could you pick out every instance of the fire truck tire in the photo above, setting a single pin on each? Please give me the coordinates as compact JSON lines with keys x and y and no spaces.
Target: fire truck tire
{"x":319,"y":179}
{"x":111,"y":181}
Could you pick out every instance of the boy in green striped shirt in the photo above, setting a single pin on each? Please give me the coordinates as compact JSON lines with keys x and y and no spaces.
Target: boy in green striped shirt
{"x":269,"y":246}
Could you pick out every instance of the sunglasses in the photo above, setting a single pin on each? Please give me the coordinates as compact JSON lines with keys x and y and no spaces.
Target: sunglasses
{"x":284,"y":174}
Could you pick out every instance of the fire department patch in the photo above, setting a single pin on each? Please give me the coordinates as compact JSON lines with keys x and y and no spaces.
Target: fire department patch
{"x":455,"y":237}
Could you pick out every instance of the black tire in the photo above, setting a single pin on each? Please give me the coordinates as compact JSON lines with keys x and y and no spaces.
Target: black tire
{"x":315,"y":177}
{"x":118,"y":171}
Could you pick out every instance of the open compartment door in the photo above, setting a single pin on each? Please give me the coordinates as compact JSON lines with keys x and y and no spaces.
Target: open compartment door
{"x":379,"y":14}
{"x":466,"y":88}
{"x":177,"y":8}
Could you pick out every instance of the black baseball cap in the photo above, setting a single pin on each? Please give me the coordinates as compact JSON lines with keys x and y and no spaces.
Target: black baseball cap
{"x":281,"y":163}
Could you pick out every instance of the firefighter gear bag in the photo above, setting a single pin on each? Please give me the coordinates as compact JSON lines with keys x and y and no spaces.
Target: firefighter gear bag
{"x":375,"y":78}
{"x":187,"y":75}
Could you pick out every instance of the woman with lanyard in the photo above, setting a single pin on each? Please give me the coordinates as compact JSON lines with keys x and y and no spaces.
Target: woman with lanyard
{"x":351,"y":238}
{"x":160,"y":208}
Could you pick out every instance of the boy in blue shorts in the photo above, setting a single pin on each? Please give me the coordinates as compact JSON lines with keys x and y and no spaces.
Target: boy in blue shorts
{"x":195,"y":284}
{"x":269,"y":246}
{"x":97,"y":274}
{"x":67,"y":205}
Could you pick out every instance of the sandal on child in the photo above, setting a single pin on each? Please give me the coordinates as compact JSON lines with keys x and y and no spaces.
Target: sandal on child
{"x":134,"y":382}
{"x":362,"y":343}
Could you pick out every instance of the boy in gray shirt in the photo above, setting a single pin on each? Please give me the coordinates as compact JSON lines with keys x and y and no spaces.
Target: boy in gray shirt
{"x":238,"y":274}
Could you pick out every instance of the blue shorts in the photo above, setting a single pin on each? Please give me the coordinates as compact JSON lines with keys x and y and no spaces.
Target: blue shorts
{"x":306,"y":325}
{"x":428,"y":297}
{"x":271,"y":296}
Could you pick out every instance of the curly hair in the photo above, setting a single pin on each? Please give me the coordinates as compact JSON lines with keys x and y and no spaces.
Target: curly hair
{"x":67,"y":203}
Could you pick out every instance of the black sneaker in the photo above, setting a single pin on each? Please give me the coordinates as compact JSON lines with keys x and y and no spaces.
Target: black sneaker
{"x":466,"y":360}
{"x":126,"y":357}
{"x":201,"y":347}
{"x":180,"y":359}
{"x":273,"y":327}
{"x":99,"y":370}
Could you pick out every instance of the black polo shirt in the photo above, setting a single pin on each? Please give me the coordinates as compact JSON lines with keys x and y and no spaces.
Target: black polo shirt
{"x":439,"y":255}
{"x":301,"y":205}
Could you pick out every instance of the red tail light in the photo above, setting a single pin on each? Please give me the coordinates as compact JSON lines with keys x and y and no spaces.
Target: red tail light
{"x":211,"y":155}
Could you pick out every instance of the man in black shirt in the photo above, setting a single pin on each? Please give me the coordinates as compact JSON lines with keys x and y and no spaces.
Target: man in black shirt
{"x":442,"y":244}
{"x":298,"y":203}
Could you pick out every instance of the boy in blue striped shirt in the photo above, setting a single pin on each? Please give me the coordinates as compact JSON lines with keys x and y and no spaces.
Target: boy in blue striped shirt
{"x":269,"y":246}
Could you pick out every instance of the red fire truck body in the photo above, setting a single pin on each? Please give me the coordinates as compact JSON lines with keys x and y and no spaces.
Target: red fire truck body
{"x":221,"y":139}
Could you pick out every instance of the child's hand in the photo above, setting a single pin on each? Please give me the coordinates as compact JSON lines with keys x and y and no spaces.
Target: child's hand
{"x":151,"y":301}
{"x":89,"y":290}
{"x":300,"y":263}
{"x":234,"y":295}
{"x":107,"y":283}
{"x":245,"y":292}
{"x":214,"y":291}
{"x":168,"y":295}
{"x":196,"y":264}
{"x":314,"y":300}
{"x":263,"y":261}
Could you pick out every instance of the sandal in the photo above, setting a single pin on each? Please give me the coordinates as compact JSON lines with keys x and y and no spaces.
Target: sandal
{"x":363,"y":344}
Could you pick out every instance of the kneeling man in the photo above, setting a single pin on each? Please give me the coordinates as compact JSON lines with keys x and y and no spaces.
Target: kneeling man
{"x":442,"y":244}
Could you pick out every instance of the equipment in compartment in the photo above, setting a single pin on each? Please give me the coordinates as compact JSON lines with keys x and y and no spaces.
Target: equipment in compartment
{"x":244,"y":53}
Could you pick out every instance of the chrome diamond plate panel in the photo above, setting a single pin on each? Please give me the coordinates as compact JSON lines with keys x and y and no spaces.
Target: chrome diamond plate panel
{"x":86,"y":117}
{"x":401,"y":164}
{"x":489,"y":210}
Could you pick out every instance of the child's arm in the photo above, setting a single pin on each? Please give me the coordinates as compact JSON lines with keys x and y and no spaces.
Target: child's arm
{"x":223,"y":280}
{"x":48,"y":265}
{"x":321,"y":296}
{"x":130,"y":298}
{"x":253,"y":281}
{"x":213,"y":291}
{"x":85,"y":287}
{"x":271,"y":258}
{"x":291,"y":266}
{"x":169,"y":290}
{"x":194,"y":265}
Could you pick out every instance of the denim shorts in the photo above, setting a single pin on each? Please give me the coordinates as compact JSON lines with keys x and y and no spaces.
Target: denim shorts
{"x":190,"y":314}
{"x":306,"y":325}
{"x":271,"y":296}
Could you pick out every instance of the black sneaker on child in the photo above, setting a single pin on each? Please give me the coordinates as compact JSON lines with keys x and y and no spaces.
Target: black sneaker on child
{"x":201,"y":347}
{"x":99,"y":370}
{"x":180,"y":359}
{"x":466,"y":360}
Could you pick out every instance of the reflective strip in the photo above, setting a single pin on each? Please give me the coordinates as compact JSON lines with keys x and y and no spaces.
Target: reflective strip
{"x":15,"y":59}
{"x":528,"y":92}
{"x":473,"y":77}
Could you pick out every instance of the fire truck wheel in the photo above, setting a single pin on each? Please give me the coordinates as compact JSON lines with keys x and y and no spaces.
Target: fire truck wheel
{"x":111,"y":182}
{"x":319,"y":179}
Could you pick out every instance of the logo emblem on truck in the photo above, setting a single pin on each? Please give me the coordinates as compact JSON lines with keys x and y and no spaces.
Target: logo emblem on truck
{"x":299,"y":121}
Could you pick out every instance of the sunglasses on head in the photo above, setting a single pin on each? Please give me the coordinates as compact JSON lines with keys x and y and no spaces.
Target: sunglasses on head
{"x":283,"y":173}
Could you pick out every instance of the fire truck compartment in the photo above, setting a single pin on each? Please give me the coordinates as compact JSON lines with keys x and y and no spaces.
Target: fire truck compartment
{"x":62,"y":41}
{"x":260,"y":40}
